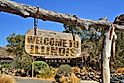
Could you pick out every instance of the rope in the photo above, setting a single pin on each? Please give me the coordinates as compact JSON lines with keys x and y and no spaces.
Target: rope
{"x":36,"y":21}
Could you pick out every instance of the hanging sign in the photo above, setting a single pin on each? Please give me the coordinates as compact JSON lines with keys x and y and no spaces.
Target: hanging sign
{"x":52,"y":44}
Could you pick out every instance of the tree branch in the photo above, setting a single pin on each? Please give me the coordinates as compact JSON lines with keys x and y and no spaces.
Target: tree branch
{"x":31,"y":11}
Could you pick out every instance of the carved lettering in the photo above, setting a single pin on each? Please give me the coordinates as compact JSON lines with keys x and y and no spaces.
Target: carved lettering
{"x":36,"y":50}
{"x":52,"y":45}
{"x":64,"y":43}
{"x":52,"y":41}
{"x":32,"y":49}
{"x":46,"y":41}
{"x":30,"y":39}
{"x":62,"y":51}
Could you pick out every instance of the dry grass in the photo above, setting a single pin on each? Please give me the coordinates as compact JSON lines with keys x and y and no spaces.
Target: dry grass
{"x":76,"y":70}
{"x":7,"y":79}
{"x":74,"y":79}
{"x":70,"y":79}
{"x":84,"y":70}
{"x":120,"y":70}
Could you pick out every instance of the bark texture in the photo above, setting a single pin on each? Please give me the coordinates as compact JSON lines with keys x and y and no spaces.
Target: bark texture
{"x":113,"y":47}
{"x":107,"y":53}
{"x":31,"y":11}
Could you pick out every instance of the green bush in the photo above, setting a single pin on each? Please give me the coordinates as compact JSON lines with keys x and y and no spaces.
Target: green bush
{"x":65,"y":75}
{"x":6,"y":65}
{"x":64,"y":70}
{"x":42,"y":70}
{"x":46,"y":73}
{"x":40,"y":65}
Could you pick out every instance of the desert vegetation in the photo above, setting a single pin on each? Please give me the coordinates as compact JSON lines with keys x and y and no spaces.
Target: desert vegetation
{"x":92,"y":45}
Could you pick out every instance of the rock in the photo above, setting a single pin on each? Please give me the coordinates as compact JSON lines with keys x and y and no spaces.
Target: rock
{"x":13,"y":74}
{"x":97,"y":76}
{"x":91,"y":76}
{"x":117,"y":78}
{"x":82,"y":74}
{"x":88,"y":78}
{"x":91,"y":73}
{"x":120,"y":77}
{"x":113,"y":71}
{"x":83,"y":77}
{"x":78,"y":76}
{"x":3,"y":69}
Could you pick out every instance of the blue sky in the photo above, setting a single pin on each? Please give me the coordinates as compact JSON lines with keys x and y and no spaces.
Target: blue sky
{"x":89,"y":9}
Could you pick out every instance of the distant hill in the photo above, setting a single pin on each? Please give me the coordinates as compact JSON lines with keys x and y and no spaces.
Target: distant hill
{"x":4,"y":53}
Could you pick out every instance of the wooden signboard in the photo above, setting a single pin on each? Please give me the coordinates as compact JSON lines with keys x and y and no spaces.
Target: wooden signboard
{"x":52,"y":44}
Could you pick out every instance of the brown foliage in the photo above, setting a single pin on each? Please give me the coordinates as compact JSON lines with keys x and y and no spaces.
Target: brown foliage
{"x":120,"y":70}
{"x":76,"y":70}
{"x":70,"y":79}
{"x":84,"y":70}
{"x":74,"y":79}
{"x":7,"y":79}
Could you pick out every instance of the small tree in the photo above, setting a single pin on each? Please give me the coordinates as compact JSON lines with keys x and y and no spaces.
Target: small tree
{"x":15,"y":44}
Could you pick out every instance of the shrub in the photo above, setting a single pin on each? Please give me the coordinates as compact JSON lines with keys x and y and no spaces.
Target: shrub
{"x":65,"y":74}
{"x":7,"y":79}
{"x":75,"y":70}
{"x":64,"y":70}
{"x":40,"y":65}
{"x":42,"y":70}
{"x":46,"y":73}
{"x":6,"y":65}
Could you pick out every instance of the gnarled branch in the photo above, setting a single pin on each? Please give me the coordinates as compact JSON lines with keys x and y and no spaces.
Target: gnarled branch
{"x":31,"y":11}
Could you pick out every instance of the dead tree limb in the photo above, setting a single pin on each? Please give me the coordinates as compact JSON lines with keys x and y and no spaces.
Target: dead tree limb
{"x":107,"y":54}
{"x":31,"y":11}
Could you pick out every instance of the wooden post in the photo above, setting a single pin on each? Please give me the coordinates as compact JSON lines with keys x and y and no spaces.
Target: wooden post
{"x":113,"y":45}
{"x":107,"y":54}
{"x":32,"y":66}
{"x":113,"y":62}
{"x":102,"y":59}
